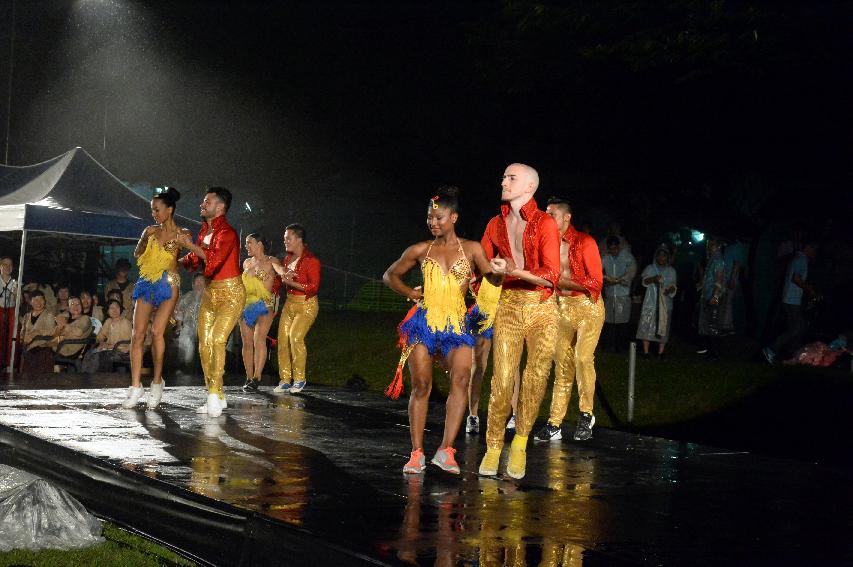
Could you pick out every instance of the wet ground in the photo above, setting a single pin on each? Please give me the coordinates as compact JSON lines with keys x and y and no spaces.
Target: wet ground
{"x":329,"y":461}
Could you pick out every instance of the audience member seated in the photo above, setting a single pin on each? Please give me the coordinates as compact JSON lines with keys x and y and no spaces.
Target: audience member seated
{"x":47,"y":293}
{"x":37,"y":357}
{"x":91,"y":307}
{"x":116,"y":329}
{"x":116,"y":295}
{"x":123,"y":285}
{"x":73,"y":326}
{"x":62,"y":295}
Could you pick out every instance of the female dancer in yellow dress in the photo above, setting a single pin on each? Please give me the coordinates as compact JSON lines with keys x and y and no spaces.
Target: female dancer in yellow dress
{"x":436,"y":326}
{"x":155,"y":292}
{"x":259,"y":279}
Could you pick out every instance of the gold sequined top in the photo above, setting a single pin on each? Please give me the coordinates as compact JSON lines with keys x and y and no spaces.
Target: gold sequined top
{"x":460,"y":269}
{"x":260,"y":273}
{"x":172,"y":246}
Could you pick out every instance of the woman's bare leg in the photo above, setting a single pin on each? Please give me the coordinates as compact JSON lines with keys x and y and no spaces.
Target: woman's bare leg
{"x":481,"y":358}
{"x":262,"y":329}
{"x":141,"y":315}
{"x":158,"y":330}
{"x":420,"y":367}
{"x":460,"y":376}
{"x":247,"y":337}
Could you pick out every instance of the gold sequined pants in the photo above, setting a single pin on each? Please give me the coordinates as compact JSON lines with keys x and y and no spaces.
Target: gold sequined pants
{"x":296,"y":319}
{"x":220,"y":309}
{"x":577,"y":336}
{"x":522,"y":318}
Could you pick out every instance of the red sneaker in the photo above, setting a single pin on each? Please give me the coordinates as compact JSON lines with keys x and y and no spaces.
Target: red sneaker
{"x":416,"y":464}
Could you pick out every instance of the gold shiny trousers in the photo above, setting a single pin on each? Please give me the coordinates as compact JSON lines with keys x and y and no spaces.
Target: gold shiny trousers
{"x":296,"y":319}
{"x":577,"y":336}
{"x":522,"y":318}
{"x":220,"y":309}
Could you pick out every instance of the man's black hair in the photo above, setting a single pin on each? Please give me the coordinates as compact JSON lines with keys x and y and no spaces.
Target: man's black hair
{"x":299,"y":230}
{"x":222,"y":194}
{"x":560,"y":202}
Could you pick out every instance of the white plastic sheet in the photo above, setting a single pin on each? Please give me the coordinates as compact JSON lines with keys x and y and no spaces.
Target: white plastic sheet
{"x":34,"y":514}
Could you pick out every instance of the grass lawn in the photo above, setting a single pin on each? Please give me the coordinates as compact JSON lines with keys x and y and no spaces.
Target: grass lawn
{"x":121,"y":549}
{"x":737,"y":401}
{"x":677,"y":388}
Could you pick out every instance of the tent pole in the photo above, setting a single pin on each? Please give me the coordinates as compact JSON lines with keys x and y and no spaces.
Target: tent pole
{"x":11,"y":74}
{"x":18,"y":296}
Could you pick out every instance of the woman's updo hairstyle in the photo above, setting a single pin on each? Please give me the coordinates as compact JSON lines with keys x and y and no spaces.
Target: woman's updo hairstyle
{"x":169,"y":195}
{"x":447,"y":196}
{"x":262,"y":239}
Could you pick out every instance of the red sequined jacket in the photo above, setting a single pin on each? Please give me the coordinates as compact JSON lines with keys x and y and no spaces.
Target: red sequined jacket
{"x":585,"y":262}
{"x":307,"y":274}
{"x":222,"y":252}
{"x":541,"y":247}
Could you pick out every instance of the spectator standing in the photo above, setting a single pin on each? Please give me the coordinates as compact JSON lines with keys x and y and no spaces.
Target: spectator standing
{"x":713,"y":288}
{"x":614,"y":231}
{"x":619,"y":271}
{"x":659,"y":279}
{"x":186,"y":315}
{"x":795,"y":287}
{"x":8,"y":293}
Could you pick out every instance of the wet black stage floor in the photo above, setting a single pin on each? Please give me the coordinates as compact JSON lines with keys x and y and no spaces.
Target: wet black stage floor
{"x":329,"y":461}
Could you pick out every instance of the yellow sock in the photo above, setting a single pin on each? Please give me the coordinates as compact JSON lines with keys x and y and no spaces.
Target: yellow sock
{"x":519,"y":442}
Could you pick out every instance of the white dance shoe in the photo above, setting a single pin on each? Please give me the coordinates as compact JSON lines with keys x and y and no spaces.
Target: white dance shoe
{"x":155,"y":394}
{"x":213,"y":407}
{"x":133,"y":397}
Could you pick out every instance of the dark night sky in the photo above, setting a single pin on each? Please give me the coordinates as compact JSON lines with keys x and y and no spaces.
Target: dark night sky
{"x":346,"y":116}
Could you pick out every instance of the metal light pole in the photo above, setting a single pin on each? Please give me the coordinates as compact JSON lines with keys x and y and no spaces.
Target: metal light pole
{"x":632,"y":365}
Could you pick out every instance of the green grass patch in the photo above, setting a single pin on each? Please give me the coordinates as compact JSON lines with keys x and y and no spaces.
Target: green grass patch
{"x":680,"y":387}
{"x":121,"y":549}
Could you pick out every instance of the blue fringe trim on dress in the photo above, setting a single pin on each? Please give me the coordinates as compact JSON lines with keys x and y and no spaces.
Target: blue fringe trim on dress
{"x":154,"y":293}
{"x":416,"y":331}
{"x":472,"y":321}
{"x":254,"y":310}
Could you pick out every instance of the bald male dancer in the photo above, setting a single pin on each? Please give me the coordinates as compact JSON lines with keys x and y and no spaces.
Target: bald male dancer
{"x":523,"y":244}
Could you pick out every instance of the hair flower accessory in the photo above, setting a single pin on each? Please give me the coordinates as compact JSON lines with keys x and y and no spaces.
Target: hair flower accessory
{"x":434,"y":202}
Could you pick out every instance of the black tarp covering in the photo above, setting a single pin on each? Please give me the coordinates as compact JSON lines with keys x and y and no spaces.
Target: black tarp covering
{"x":202,"y":529}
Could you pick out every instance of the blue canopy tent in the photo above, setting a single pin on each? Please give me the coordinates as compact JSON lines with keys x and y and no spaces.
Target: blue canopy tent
{"x":71,"y":194}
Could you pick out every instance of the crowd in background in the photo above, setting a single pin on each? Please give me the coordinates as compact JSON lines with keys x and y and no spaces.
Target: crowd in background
{"x":58,"y":325}
{"x":648,"y":296}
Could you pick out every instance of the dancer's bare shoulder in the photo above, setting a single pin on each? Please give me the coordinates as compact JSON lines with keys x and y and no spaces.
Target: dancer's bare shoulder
{"x":418,"y":250}
{"x":471,"y":247}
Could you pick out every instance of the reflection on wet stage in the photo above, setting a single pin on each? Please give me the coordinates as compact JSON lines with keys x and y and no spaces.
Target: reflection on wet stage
{"x":328,"y":461}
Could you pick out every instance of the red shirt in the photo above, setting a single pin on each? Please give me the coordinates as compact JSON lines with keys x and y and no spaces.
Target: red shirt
{"x":585,"y":262}
{"x":222,"y":253}
{"x":541,"y":247}
{"x":307,"y":273}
